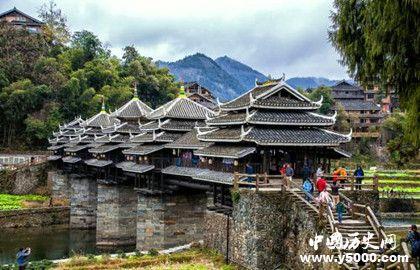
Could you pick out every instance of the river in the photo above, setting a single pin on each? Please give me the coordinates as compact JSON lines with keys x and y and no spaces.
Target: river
{"x":54,"y":242}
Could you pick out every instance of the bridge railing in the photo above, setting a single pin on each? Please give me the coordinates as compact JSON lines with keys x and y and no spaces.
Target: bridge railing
{"x":30,"y":162}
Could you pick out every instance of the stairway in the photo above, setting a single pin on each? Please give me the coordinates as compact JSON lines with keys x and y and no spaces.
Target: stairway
{"x":350,"y":225}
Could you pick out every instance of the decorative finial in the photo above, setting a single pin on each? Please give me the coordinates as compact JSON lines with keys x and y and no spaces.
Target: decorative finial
{"x":135,"y":95}
{"x":182,"y":92}
{"x":103,"y":104}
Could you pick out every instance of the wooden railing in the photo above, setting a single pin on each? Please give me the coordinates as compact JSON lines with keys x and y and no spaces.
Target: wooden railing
{"x":350,"y":181}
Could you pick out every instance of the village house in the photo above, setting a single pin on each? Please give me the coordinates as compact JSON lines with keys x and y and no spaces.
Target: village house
{"x":365,"y":115}
{"x":19,"y":19}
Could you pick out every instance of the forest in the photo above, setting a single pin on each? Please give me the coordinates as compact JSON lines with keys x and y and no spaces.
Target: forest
{"x":50,"y":78}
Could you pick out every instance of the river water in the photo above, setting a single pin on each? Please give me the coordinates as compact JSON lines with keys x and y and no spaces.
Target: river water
{"x":57,"y":242}
{"x":54,"y":242}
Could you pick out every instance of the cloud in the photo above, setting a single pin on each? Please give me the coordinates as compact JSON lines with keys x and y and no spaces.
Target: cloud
{"x":271,"y":36}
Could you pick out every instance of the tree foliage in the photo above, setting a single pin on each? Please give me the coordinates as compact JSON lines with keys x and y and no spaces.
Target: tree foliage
{"x":50,"y":78}
{"x":402,"y":150}
{"x":327,"y":101}
{"x":379,"y":42}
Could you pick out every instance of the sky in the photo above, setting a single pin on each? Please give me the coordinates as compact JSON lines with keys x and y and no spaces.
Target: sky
{"x":271,"y":36}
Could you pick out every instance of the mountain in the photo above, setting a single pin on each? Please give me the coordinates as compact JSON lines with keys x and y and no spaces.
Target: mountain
{"x":227,"y":78}
{"x":207,"y":72}
{"x":241,"y":72}
{"x":310,"y":82}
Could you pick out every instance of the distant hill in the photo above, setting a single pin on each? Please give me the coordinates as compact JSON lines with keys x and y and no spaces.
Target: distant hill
{"x":207,"y":72}
{"x":241,"y":72}
{"x":310,"y":82}
{"x":227,"y":78}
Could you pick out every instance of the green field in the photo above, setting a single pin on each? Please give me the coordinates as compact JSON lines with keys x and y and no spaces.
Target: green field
{"x":11,"y":202}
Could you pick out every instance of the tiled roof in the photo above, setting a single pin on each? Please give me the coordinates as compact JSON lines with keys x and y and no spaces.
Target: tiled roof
{"x":273,"y":118}
{"x":183,"y":108}
{"x":104,"y":149}
{"x":225,"y":151}
{"x":127,"y":145}
{"x":188,"y":141}
{"x":230,"y":134}
{"x":359,"y":105}
{"x":181,"y":125}
{"x":101,"y":119}
{"x":168,"y":136}
{"x":290,"y":118}
{"x":76,"y":148}
{"x":295,"y":137}
{"x":145,"y":137}
{"x":277,"y":102}
{"x":98,"y":163}
{"x":56,"y":147}
{"x":199,"y":174}
{"x":136,"y":168}
{"x":266,"y":91}
{"x":130,"y":128}
{"x":53,"y":157}
{"x":71,"y":159}
{"x":144,"y":149}
{"x":134,"y":109}
{"x":276,"y":136}
{"x":117,"y":138}
{"x":230,"y":118}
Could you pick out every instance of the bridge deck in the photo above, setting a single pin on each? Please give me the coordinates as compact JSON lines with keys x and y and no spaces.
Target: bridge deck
{"x":200,"y":174}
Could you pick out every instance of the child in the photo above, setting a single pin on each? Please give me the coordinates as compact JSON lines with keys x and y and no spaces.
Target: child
{"x":341,"y":209}
{"x":308,"y":188}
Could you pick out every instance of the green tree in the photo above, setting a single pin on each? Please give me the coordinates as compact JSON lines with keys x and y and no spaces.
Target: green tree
{"x":402,"y":150}
{"x":55,"y":29}
{"x":90,"y":44}
{"x":379,"y":42}
{"x":327,"y":102}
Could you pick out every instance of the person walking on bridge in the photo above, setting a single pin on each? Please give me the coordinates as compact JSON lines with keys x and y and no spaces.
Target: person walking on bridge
{"x":321,"y":184}
{"x":22,"y":258}
{"x":308,"y":188}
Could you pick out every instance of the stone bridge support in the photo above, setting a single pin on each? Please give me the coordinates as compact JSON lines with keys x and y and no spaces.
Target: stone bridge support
{"x":116,"y":215}
{"x":169,"y":220}
{"x":60,"y":187}
{"x":267,"y":230}
{"x":83,"y":201}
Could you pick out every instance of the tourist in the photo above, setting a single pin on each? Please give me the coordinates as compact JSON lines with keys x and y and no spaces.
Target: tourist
{"x":334,"y":192}
{"x":323,"y":200}
{"x":306,"y":172}
{"x":413,"y":238}
{"x":321,"y":184}
{"x":342,"y":174}
{"x":289,"y":172}
{"x":283,"y":169}
{"x":22,"y":257}
{"x":319,"y":171}
{"x":335,"y":175}
{"x":249,"y":170}
{"x":308,"y":188}
{"x":341,"y":209}
{"x":358,"y":175}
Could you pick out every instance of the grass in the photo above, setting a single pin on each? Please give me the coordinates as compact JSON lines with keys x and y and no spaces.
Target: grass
{"x":194,"y":259}
{"x":12,"y":202}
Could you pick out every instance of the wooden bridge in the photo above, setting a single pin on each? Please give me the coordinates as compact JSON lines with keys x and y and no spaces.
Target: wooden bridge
{"x":359,"y":219}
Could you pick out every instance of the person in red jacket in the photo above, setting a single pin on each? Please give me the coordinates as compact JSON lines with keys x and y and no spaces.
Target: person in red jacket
{"x":321,"y":184}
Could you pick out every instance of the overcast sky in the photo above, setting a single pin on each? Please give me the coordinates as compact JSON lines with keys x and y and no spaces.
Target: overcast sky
{"x":272,"y":36}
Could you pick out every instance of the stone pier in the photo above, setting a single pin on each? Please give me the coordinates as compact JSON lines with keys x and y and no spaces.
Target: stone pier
{"x":116,"y":215}
{"x":83,"y":201}
{"x":165,"y":221}
{"x":60,"y":187}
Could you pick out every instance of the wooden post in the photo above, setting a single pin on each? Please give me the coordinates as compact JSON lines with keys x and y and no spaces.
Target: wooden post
{"x":352,"y":183}
{"x":235,"y":181}
{"x":257,"y":179}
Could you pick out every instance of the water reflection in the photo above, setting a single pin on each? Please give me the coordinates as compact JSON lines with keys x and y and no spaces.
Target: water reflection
{"x":54,"y":242}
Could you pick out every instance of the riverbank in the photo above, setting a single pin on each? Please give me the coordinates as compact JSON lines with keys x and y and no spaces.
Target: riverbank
{"x":179,"y":258}
{"x":35,"y":217}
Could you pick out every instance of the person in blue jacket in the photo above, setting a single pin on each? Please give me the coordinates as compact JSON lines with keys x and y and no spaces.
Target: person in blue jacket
{"x":22,"y":257}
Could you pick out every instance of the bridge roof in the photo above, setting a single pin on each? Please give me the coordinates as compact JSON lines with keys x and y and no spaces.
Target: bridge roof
{"x":199,"y":174}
